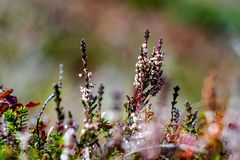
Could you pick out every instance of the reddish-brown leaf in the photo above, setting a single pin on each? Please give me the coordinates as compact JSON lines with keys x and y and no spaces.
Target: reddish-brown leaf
{"x":5,"y":93}
{"x":3,"y":107}
{"x":32,"y":104}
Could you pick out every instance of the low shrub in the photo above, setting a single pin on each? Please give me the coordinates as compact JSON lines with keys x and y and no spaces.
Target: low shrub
{"x":141,"y":134}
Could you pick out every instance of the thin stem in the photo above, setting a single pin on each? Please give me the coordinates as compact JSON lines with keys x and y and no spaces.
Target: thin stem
{"x":40,"y":114}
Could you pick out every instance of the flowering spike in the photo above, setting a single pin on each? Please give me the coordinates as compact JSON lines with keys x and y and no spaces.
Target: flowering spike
{"x":175,"y":111}
{"x":159,"y":44}
{"x":148,"y":74}
{"x":60,"y":76}
{"x":84,"y":54}
{"x":100,"y":94}
{"x":85,"y":73}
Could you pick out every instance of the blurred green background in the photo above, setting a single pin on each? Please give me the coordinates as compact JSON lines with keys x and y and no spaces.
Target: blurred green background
{"x":36,"y":36}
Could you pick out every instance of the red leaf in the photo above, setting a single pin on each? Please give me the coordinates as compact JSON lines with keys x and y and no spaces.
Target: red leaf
{"x":32,"y":104}
{"x":5,"y":93}
{"x":3,"y":107}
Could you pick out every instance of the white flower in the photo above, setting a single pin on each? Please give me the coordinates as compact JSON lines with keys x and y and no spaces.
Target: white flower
{"x":68,"y":136}
{"x":23,"y":137}
{"x":64,"y":156}
{"x":144,"y":45}
{"x":80,"y":75}
{"x":86,"y":94}
{"x":83,"y":131}
{"x":68,"y":140}
{"x":89,"y":74}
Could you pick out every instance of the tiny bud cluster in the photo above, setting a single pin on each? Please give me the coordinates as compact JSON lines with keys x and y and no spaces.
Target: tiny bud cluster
{"x":86,"y":94}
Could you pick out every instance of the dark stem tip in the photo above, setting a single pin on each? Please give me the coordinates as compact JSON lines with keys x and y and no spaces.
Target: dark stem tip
{"x":146,"y":35}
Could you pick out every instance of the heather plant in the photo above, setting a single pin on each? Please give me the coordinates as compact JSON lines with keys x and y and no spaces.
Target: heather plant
{"x":139,"y":135}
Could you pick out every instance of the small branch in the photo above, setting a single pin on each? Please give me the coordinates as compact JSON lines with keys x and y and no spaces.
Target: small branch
{"x":100,"y":94}
{"x":60,"y":77}
{"x":40,"y":114}
{"x":45,"y":104}
{"x":174,"y":110}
